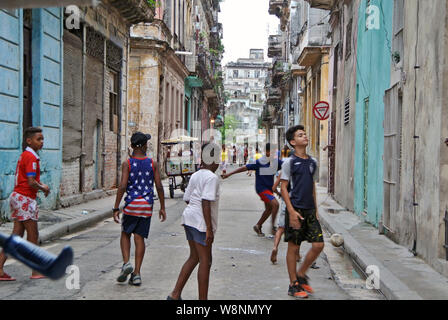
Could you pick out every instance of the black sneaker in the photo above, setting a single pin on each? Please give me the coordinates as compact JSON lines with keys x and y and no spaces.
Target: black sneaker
{"x":296,"y":291}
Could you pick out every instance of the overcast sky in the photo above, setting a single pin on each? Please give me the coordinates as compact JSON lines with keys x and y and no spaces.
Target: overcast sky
{"x":246,"y":24}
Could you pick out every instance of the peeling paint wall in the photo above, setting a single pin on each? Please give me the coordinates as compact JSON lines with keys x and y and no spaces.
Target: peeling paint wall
{"x":46,"y":50}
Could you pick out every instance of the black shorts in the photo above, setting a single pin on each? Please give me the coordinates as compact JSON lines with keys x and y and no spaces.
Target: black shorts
{"x":136,"y":225}
{"x":310,"y":229}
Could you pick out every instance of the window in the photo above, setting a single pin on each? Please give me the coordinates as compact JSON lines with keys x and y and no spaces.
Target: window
{"x":398,"y":44}
{"x":347,"y":111}
{"x":247,"y":74}
{"x":113,"y":102}
{"x":257,"y":74}
{"x":348,"y":39}
{"x":235,"y":73}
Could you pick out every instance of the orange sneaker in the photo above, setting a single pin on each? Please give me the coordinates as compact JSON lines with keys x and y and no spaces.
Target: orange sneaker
{"x":296,"y":291}
{"x":303,"y":282}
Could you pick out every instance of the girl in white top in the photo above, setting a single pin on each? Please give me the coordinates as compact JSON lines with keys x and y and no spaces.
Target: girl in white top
{"x":200,"y":220}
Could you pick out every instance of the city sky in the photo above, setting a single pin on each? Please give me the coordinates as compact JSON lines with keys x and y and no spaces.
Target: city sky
{"x":247,"y":24}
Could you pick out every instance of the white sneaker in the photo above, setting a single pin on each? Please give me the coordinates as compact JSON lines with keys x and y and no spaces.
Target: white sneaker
{"x":126,"y":269}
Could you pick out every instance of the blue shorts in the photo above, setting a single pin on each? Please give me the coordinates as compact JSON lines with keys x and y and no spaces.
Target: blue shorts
{"x":137,"y":225}
{"x":195,"y":235}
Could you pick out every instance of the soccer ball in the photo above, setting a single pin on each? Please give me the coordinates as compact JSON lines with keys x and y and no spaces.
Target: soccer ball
{"x":337,"y":240}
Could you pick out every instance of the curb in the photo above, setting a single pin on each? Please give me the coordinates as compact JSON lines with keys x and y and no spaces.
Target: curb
{"x":72,"y":225}
{"x":392,"y":287}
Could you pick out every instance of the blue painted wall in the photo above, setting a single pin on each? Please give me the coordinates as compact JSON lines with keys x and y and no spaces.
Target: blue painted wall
{"x":47,"y":54}
{"x":373,"y":79}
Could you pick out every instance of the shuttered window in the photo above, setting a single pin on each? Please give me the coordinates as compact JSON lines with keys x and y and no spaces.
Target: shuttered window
{"x":347,"y":111}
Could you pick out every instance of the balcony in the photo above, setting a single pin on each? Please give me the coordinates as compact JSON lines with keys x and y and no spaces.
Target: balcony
{"x":311,"y":55}
{"x":274,"y":96}
{"x":322,"y":4}
{"x":275,"y":46}
{"x":279,"y":71}
{"x":276,"y":7}
{"x":134,"y":11}
{"x":204,"y":68}
{"x":298,"y":71}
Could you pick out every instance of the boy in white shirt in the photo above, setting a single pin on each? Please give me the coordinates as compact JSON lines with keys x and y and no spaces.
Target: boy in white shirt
{"x":200,"y":220}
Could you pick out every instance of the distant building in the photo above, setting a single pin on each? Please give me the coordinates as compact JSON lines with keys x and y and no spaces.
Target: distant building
{"x":244,"y":87}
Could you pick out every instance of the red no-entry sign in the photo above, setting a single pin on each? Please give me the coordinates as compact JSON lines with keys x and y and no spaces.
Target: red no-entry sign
{"x":321,"y":110}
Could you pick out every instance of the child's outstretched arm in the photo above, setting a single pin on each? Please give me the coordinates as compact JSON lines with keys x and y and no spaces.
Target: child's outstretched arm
{"x":239,"y":170}
{"x":121,"y":190}
{"x":160,"y":192}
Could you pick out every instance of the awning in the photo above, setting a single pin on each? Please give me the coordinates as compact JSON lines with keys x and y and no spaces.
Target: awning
{"x":181,"y":139}
{"x":193,"y":82}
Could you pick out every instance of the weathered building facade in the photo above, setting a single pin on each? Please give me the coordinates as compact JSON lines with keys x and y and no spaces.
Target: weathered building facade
{"x":244,"y":88}
{"x":95,"y":136}
{"x":397,"y":76}
{"x":175,"y":78}
{"x":31,"y":94}
{"x":299,"y":75}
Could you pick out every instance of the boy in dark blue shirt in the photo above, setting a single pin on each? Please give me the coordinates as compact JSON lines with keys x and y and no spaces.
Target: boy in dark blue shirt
{"x":264,"y":182}
{"x":301,"y":218}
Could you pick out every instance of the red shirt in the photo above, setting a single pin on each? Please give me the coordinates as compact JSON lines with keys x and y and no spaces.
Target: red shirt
{"x":27,"y":166}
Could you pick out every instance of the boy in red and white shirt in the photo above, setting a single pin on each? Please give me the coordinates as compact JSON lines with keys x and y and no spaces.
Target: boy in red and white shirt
{"x":22,"y":201}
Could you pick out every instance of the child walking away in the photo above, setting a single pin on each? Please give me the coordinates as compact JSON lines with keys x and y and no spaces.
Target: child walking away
{"x":264,"y":181}
{"x":301,"y":218}
{"x":200,"y":220}
{"x":22,"y":201}
{"x":138,"y":175}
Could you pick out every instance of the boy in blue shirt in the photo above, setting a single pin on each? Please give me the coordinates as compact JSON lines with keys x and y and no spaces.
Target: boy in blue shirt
{"x":301,"y":218}
{"x":264,"y":182}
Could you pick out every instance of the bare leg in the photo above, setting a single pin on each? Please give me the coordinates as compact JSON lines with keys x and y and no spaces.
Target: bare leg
{"x":291,"y":262}
{"x":205,"y":263}
{"x":275,"y":207}
{"x":186,"y":271}
{"x":18,"y":230}
{"x":269,"y":207}
{"x":311,"y":256}
{"x":139,"y":252}
{"x":32,"y":235}
{"x":278,"y":237}
{"x":125,"y":244}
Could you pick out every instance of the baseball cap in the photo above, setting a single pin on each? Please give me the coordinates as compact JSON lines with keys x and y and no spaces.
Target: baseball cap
{"x":139,"y":139}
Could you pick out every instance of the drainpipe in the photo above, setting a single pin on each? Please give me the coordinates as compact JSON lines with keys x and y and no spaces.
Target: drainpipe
{"x":414,"y":200}
{"x":446,"y":234}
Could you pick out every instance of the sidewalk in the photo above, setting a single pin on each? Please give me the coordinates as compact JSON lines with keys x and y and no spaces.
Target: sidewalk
{"x":54,"y":224}
{"x":402,"y":276}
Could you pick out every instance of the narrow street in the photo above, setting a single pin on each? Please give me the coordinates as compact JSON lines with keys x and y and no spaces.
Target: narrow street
{"x":241,"y":267}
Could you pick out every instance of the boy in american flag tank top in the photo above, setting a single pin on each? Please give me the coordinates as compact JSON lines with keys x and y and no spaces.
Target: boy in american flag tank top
{"x":139,"y":173}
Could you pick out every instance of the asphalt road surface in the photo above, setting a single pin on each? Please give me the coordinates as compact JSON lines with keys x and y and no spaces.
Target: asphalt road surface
{"x":241,"y":267}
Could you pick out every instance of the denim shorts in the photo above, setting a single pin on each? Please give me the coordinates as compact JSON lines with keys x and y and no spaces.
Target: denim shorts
{"x":195,"y":235}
